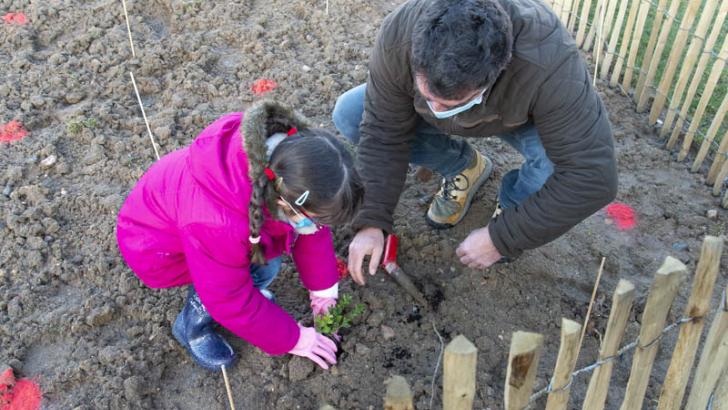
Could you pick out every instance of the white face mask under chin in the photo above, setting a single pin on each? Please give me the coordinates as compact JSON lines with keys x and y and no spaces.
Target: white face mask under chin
{"x":302,"y":228}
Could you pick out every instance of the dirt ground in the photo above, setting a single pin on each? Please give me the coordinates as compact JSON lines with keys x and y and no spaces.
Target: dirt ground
{"x":76,"y":319}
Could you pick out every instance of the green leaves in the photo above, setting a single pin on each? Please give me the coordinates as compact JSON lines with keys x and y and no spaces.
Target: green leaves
{"x":339,"y":317}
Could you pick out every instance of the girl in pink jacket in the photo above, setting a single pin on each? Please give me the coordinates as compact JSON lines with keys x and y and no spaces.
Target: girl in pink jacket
{"x":219,"y":214}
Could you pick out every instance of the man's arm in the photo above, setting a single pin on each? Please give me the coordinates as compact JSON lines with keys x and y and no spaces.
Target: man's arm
{"x":575,"y":131}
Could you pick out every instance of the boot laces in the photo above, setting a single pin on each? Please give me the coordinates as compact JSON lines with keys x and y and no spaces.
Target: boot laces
{"x":451,"y":185}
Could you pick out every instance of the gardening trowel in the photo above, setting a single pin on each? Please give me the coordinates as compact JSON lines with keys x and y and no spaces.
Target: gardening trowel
{"x":390,"y":265}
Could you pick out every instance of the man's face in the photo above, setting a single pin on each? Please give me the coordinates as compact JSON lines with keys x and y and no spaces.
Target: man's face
{"x":441,"y":104}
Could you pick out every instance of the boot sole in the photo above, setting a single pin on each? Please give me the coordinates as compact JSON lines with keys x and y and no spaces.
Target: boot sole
{"x":186,"y":345}
{"x":479,"y":183}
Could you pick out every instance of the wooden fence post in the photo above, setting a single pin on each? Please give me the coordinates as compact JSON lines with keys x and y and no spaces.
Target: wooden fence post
{"x":622,"y":300}
{"x":399,"y":395}
{"x":583,"y":21}
{"x":675,"y":56}
{"x":650,"y":50}
{"x":720,"y":399}
{"x":683,"y":356}
{"x":565,"y":363}
{"x":565,"y":12}
{"x":710,"y":136}
{"x":713,"y":359}
{"x":659,"y":300}
{"x":461,"y":358}
{"x":522,"y":365}
{"x":697,"y":78}
{"x":573,"y":14}
{"x":613,"y":39}
{"x":715,"y":74}
{"x":614,"y":80}
{"x":635,"y":44}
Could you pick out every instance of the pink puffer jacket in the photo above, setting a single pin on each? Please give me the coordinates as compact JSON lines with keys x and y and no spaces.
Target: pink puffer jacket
{"x":186,"y":221}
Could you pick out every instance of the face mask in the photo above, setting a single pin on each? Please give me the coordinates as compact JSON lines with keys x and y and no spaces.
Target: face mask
{"x":441,"y":115}
{"x":304,"y":226}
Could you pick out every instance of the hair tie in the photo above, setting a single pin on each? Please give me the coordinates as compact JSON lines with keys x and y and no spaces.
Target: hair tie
{"x":270,"y":174}
{"x":292,"y":131}
{"x":254,"y":239}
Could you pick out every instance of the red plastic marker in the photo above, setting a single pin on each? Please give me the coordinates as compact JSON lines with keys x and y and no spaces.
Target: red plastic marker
{"x":12,"y":131}
{"x":15,"y":18}
{"x":623,"y":215}
{"x":263,"y":86}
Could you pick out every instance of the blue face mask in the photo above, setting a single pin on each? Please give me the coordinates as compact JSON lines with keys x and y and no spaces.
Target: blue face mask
{"x":441,"y":115}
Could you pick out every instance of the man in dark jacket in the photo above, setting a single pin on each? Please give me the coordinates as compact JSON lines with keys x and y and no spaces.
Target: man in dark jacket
{"x":476,"y":68}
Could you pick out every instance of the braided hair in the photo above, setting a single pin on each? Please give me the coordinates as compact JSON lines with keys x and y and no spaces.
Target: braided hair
{"x":312,"y":160}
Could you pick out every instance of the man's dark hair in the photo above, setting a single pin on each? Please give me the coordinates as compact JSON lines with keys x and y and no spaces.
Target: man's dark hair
{"x":461,"y":45}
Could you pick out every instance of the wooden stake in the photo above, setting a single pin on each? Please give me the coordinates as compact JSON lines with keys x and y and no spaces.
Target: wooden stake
{"x":399,"y":395}
{"x":710,"y":86}
{"x":720,"y":397}
{"x":614,"y":80}
{"x":327,"y":7}
{"x":461,"y":358}
{"x":635,"y":46}
{"x":673,"y":388}
{"x":622,"y":300}
{"x":713,"y":359}
{"x":128,"y":28}
{"x":573,"y":13}
{"x":591,"y":302}
{"x":565,"y":363}
{"x":678,"y":47}
{"x":598,"y":48}
{"x":697,"y":78}
{"x":721,"y":176}
{"x":662,"y":293}
{"x":589,"y":40}
{"x":522,"y":365}
{"x":584,"y":19}
{"x":565,"y":10}
{"x":710,"y":136}
{"x":144,"y":114}
{"x":650,"y":50}
{"x":614,"y":39}
{"x":227,"y":387}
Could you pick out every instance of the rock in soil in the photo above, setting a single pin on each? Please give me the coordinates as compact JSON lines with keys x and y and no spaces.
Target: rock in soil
{"x":299,"y":368}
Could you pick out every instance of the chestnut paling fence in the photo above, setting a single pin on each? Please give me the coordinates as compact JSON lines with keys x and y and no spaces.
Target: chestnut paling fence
{"x":709,"y":388}
{"x":670,"y":57}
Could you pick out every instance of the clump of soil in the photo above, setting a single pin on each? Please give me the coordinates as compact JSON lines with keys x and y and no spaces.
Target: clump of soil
{"x":78,"y":321}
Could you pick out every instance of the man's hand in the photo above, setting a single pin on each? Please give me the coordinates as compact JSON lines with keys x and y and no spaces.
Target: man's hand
{"x":368,"y":241}
{"x":477,"y":250}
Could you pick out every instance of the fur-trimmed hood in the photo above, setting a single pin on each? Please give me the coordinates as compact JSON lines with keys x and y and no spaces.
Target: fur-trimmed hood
{"x":267,"y":117}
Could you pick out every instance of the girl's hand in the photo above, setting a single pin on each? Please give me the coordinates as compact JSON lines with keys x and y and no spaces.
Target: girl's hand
{"x":321,"y":305}
{"x":315,"y":347}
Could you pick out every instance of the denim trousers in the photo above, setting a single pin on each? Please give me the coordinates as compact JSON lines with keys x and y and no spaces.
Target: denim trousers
{"x":441,"y":153}
{"x":263,"y":275}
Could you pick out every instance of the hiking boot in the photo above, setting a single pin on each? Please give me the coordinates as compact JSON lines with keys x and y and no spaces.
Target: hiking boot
{"x":193,"y":329}
{"x":452,"y":202}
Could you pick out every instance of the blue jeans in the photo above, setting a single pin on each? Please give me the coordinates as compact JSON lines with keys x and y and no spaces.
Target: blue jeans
{"x":447,"y":156}
{"x":263,"y":275}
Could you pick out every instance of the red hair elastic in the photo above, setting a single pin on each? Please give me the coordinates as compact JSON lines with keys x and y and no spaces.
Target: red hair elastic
{"x":270,"y":174}
{"x":292,"y":131}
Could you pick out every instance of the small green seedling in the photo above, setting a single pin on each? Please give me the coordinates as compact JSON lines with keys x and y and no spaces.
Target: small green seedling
{"x":339,"y":316}
{"x":77,"y":125}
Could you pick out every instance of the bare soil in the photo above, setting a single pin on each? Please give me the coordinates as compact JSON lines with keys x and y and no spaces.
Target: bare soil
{"x":75,"y":318}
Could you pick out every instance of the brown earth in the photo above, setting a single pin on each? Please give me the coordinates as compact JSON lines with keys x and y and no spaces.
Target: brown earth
{"x":75,"y":318}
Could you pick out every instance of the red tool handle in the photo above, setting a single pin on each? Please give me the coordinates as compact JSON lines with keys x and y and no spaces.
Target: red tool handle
{"x":390,"y":251}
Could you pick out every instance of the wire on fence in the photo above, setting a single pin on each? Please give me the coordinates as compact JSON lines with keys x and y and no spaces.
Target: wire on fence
{"x":631,"y":346}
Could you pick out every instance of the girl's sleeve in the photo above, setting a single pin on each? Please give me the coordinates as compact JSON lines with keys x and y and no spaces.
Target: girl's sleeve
{"x":219,"y":266}
{"x":315,"y":259}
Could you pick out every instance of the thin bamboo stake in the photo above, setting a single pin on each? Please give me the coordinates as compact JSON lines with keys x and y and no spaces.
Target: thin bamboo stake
{"x":591,"y":302}
{"x":697,"y":78}
{"x":720,"y":178}
{"x":650,"y":50}
{"x":149,"y":130}
{"x":710,"y":136}
{"x":584,"y":18}
{"x":522,"y":365}
{"x":683,"y":356}
{"x":458,"y":390}
{"x":598,"y":48}
{"x":713,"y":359}
{"x":227,"y":388}
{"x":678,"y":47}
{"x":614,"y":39}
{"x":628,"y":28}
{"x":565,"y":363}
{"x":622,"y":300}
{"x":691,"y":57}
{"x":399,"y":395}
{"x":327,"y":7}
{"x":662,"y":293}
{"x":710,"y":86}
{"x":635,"y":45}
{"x":128,"y":28}
{"x":572,"y":15}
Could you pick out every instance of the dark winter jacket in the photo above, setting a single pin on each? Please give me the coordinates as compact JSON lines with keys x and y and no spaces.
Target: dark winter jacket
{"x":546,"y":82}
